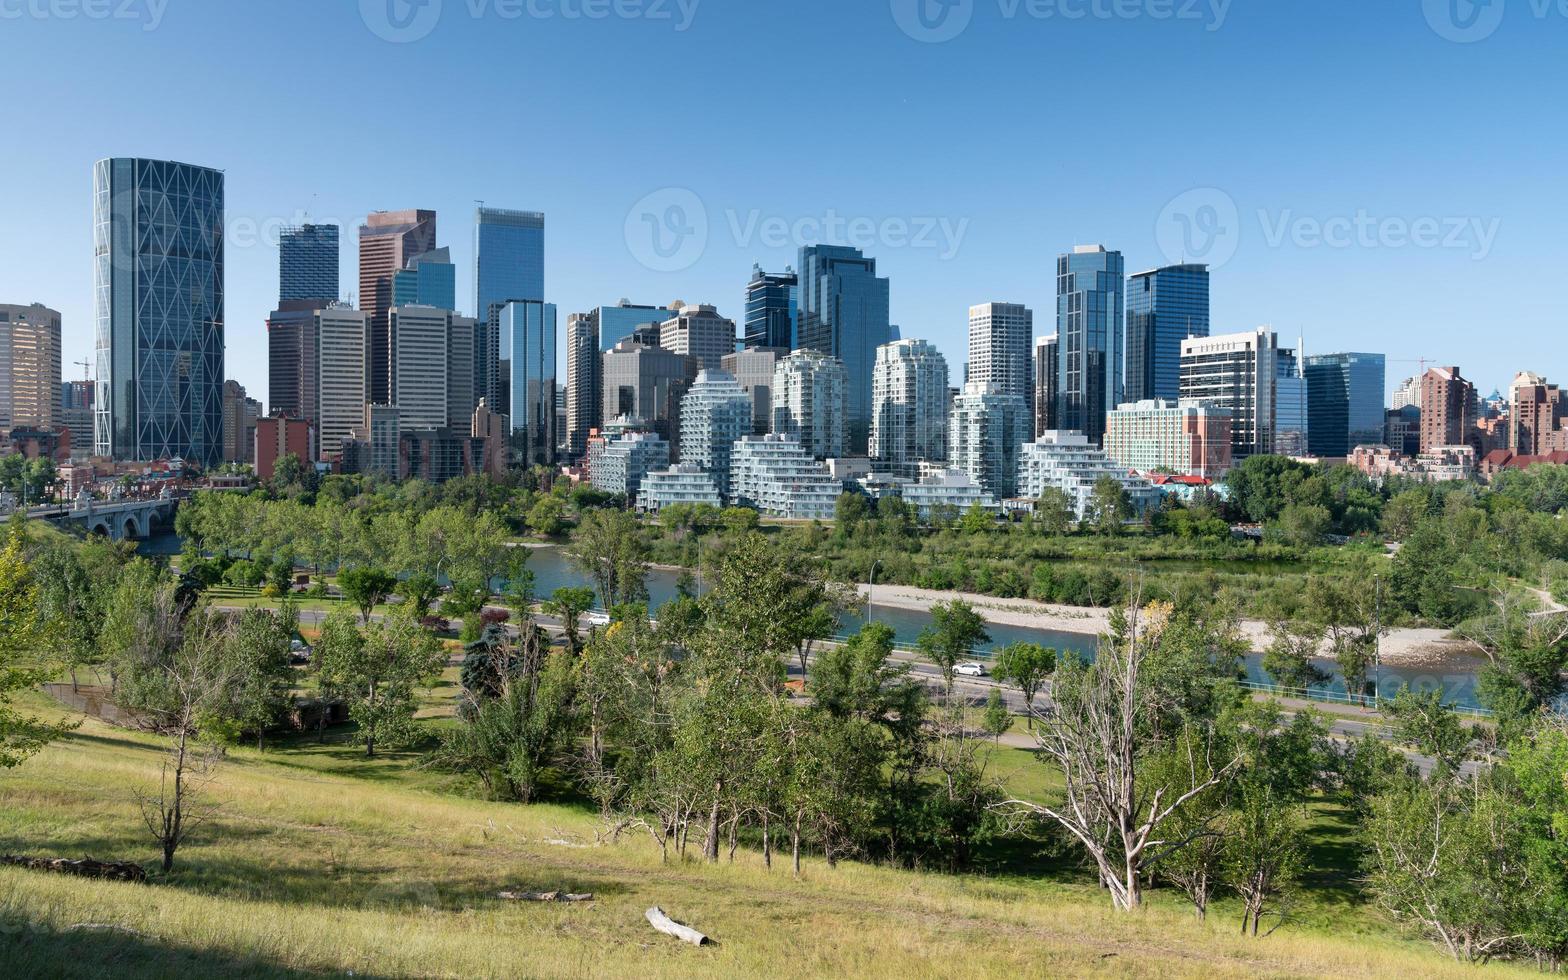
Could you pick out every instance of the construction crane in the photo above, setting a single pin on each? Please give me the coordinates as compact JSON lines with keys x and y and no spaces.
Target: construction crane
{"x":87,"y":368}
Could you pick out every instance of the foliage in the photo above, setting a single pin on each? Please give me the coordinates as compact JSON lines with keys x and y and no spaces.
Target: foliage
{"x":377,"y":670}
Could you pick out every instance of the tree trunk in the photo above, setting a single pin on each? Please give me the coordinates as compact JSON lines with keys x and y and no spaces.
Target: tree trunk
{"x":767,"y":851}
{"x":710,"y":845}
{"x":794,"y":844}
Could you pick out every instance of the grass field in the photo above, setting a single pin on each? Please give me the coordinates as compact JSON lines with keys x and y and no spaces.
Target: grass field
{"x":322,"y":863}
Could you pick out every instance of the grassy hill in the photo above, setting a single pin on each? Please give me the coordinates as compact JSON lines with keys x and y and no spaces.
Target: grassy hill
{"x":320,"y":863}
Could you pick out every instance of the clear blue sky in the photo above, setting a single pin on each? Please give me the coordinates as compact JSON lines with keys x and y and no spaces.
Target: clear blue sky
{"x":1030,"y":133}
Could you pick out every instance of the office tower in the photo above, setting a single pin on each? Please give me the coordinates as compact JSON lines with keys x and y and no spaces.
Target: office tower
{"x":293,"y":363}
{"x":583,"y":385}
{"x":772,"y":300}
{"x":462,"y":395}
{"x":1292,"y":420}
{"x":1402,"y":430}
{"x":308,"y":264}
{"x":986,"y":432}
{"x":843,"y":313}
{"x":715,"y":414}
{"x":909,"y":407}
{"x":1164,"y":307}
{"x":508,"y":258}
{"x":1189,"y":438}
{"x":340,"y":338}
{"x":1068,"y":462}
{"x":528,"y":356}
{"x":1447,"y":409}
{"x":627,"y":319}
{"x":387,"y":240}
{"x":158,"y":286}
{"x":646,"y":384}
{"x":1408,"y":393}
{"x":427,"y":280}
{"x":1047,"y":368}
{"x":1236,"y":372}
{"x":1345,"y":395}
{"x":76,"y":414}
{"x":753,"y":369}
{"x":1001,"y":336}
{"x":701,"y":333}
{"x":1537,"y":420}
{"x":810,"y":402}
{"x":240,"y":415}
{"x":419,"y":374}
{"x":29,"y":367}
{"x":1089,"y":323}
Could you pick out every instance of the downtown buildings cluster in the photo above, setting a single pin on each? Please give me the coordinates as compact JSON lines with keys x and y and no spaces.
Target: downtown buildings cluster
{"x":814,"y":391}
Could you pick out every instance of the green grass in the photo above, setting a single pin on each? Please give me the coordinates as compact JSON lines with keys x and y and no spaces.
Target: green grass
{"x":323,"y":862}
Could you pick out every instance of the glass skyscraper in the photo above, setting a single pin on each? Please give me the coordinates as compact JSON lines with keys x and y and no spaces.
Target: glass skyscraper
{"x":528,"y":352}
{"x":1089,"y":303}
{"x":1164,"y":307}
{"x":1345,"y":398}
{"x":427,"y":280}
{"x":772,"y":300}
{"x":158,"y":297}
{"x":843,"y":312}
{"x":508,"y":258}
{"x":308,"y":264}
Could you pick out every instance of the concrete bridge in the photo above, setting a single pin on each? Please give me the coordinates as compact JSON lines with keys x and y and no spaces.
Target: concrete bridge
{"x":120,"y":520}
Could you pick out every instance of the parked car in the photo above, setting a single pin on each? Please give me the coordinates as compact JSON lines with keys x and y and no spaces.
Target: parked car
{"x":970,"y":669}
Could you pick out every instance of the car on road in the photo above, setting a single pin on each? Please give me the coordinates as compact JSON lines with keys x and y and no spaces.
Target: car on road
{"x":595,"y":618}
{"x":970,"y":669}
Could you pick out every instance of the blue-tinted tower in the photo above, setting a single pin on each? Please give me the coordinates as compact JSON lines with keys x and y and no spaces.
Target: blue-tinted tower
{"x":308,"y":264}
{"x":843,"y":312}
{"x":508,"y":258}
{"x":1164,"y":307}
{"x":1090,"y":284}
{"x":1345,"y":402}
{"x":772,"y":302}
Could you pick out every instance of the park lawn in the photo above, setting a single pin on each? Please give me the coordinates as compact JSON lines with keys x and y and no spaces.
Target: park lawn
{"x":321,"y":861}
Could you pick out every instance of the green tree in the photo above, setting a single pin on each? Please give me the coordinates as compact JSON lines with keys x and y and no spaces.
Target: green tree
{"x":1422,"y":722}
{"x":997,"y":719}
{"x":955,"y":630}
{"x":365,"y":588}
{"x":378,"y":672}
{"x":21,"y":665}
{"x":977,"y":520}
{"x":1302,"y":525}
{"x":1026,"y":666}
{"x":1054,"y":512}
{"x":568,"y":605}
{"x":548,"y":517}
{"x":419,"y":592}
{"x":609,"y":547}
{"x":1110,"y":507}
{"x":1263,"y":854}
{"x":1289,"y":658}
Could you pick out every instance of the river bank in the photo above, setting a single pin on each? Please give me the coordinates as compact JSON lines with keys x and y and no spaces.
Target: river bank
{"x":1425,"y":649}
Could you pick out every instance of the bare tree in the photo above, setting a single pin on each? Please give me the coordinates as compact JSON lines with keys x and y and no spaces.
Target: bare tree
{"x":1099,"y":736}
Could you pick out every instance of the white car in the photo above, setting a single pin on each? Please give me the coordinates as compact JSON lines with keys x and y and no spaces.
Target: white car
{"x":970,"y":670}
{"x":594,"y":618}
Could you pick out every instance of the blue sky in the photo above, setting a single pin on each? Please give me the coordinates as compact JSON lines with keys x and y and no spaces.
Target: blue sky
{"x":1381,"y":175}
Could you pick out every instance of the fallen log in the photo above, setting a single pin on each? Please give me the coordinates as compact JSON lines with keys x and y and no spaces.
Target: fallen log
{"x":106,"y":870}
{"x":546,"y":896}
{"x":670,"y":927}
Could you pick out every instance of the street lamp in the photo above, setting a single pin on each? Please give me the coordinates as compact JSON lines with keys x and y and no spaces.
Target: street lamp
{"x":871,"y":580}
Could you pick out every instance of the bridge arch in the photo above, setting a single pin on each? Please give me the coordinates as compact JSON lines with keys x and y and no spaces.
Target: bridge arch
{"x":99,"y":527}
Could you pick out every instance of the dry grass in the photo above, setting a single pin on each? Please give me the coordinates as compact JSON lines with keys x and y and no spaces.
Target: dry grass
{"x":319,"y":864}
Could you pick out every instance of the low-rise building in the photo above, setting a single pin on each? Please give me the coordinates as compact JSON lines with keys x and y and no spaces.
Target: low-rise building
{"x":1185,"y":437}
{"x":685,"y":483}
{"x":777,"y":476}
{"x":952,"y":489}
{"x":1069,"y":462}
{"x":624,"y":461}
{"x":278,"y":436}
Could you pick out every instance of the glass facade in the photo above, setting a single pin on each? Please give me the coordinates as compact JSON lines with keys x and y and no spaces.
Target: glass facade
{"x":772,"y":302}
{"x":528,"y":352}
{"x":1345,"y":402}
{"x":427,"y":280}
{"x":1089,"y":315}
{"x":158,"y":298}
{"x":618,"y":322}
{"x":308,"y":263}
{"x":508,"y":258}
{"x":1164,"y":307}
{"x":1291,"y":419}
{"x":843,"y":312}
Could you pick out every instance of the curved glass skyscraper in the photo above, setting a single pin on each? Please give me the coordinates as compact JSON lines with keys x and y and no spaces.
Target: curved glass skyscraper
{"x":158,"y":294}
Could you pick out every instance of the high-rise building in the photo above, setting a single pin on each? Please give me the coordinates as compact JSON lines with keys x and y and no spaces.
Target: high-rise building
{"x":584,"y":397}
{"x":986,"y":431}
{"x":1189,"y":438}
{"x":29,"y":367}
{"x":308,"y":264}
{"x":293,"y":363}
{"x":1164,"y":307}
{"x":810,"y":402}
{"x":625,"y":460}
{"x":1291,"y":416}
{"x":772,"y":302}
{"x":627,"y":319}
{"x":1447,"y":409}
{"x":779,"y":477}
{"x":1236,"y":372}
{"x":701,"y":333}
{"x":240,"y":415}
{"x":843,"y":313}
{"x":753,"y":369}
{"x":646,"y":384}
{"x":76,"y":414}
{"x":1402,"y":430}
{"x":462,"y":393}
{"x":1345,"y":395}
{"x":340,"y":338}
{"x":909,"y":407}
{"x":419,"y":370}
{"x":1538,"y":420}
{"x":508,"y":258}
{"x":528,"y":355}
{"x":158,"y":284}
{"x":1089,"y":322}
{"x":427,"y":280}
{"x":1001,"y":337}
{"x":387,"y":240}
{"x":1047,"y":368}
{"x":715,"y":414}
{"x":1408,"y":393}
